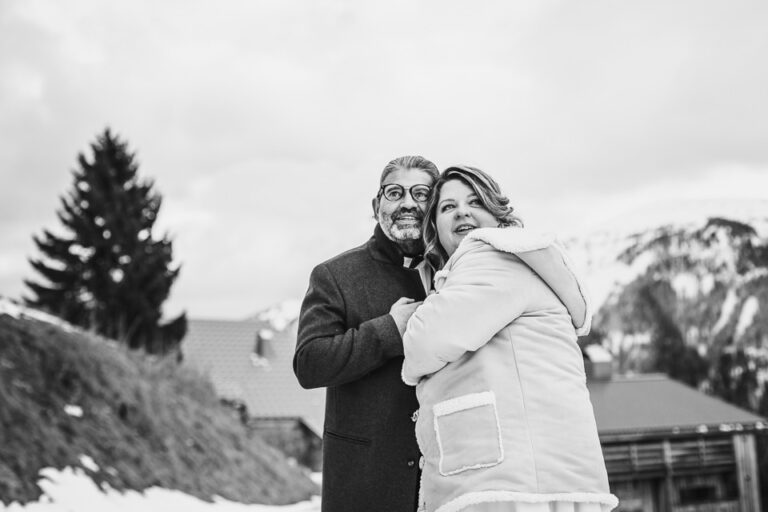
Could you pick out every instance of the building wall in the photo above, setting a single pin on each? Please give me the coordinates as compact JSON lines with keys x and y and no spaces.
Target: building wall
{"x":684,"y":474}
{"x":291,"y":437}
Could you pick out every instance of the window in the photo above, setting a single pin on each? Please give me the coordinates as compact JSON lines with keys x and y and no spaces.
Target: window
{"x":698,"y":494}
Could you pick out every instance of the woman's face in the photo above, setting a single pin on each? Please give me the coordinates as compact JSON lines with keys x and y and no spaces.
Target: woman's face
{"x":459,"y":211}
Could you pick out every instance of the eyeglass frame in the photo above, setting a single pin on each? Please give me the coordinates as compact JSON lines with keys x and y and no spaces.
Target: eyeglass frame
{"x":403,"y":190}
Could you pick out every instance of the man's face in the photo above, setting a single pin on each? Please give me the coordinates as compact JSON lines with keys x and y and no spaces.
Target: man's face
{"x":401,"y":220}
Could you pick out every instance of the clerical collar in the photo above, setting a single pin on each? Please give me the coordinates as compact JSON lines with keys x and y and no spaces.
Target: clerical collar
{"x":414,"y":262}
{"x":382,"y":248}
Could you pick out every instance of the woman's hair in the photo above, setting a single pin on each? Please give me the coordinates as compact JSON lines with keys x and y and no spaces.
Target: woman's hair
{"x":486,"y":189}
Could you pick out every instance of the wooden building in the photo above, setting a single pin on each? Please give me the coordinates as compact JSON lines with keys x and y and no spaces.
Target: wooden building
{"x":671,"y":448}
{"x":250,"y":365}
{"x":667,"y":447}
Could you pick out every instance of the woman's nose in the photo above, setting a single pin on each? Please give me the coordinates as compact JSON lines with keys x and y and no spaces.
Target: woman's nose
{"x":461,"y":210}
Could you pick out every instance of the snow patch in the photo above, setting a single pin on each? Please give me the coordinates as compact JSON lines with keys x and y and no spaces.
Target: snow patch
{"x":729,"y":304}
{"x":748,"y":312}
{"x":89,"y":464}
{"x":18,"y":311}
{"x":9,"y":308}
{"x":258,"y":361}
{"x":686,"y":285}
{"x":282,"y":314}
{"x":707,"y":283}
{"x":639,"y":267}
{"x":71,"y":489}
{"x":74,"y":410}
{"x":607,"y":274}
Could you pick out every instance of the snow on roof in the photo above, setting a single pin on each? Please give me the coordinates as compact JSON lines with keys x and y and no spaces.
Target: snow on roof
{"x":624,"y":404}
{"x":656,"y":403}
{"x":597,"y":354}
{"x":281,"y":315}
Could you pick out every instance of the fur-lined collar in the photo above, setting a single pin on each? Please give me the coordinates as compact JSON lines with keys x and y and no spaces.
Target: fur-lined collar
{"x":545,"y":256}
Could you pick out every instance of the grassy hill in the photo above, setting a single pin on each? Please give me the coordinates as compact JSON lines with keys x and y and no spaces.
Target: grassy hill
{"x":144,"y":421}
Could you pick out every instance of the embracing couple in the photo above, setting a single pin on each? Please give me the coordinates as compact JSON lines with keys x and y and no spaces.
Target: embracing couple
{"x":447,"y":344}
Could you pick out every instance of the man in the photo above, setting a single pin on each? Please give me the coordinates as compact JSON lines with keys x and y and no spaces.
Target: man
{"x":350,"y":341}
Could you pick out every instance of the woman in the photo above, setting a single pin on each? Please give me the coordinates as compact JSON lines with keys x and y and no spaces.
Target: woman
{"x":505,"y":421}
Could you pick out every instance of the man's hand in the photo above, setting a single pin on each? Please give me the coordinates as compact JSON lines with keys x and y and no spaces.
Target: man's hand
{"x":401,"y":311}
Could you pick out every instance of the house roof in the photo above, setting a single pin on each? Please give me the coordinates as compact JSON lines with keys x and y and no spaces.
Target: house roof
{"x":623,"y":405}
{"x":222,"y":349}
{"x":656,"y":403}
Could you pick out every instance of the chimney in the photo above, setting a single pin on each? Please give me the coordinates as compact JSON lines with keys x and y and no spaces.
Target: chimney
{"x":598,"y":362}
{"x":262,"y":349}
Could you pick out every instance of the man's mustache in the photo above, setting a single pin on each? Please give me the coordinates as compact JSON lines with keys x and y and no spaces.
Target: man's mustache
{"x":412,"y":212}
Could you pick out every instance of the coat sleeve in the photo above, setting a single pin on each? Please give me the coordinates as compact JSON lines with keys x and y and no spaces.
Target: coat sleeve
{"x":483,"y":292}
{"x":327,"y":352}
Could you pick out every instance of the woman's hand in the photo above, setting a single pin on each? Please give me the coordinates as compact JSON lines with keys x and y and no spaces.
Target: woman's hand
{"x":401,"y":311}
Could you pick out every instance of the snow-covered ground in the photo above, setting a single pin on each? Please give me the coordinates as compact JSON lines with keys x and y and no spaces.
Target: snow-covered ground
{"x":71,"y":490}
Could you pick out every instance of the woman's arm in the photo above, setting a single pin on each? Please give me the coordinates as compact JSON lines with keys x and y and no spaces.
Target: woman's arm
{"x":484,"y":291}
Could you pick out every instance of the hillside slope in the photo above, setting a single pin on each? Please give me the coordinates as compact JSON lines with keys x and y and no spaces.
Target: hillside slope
{"x":687,"y":299}
{"x":65,"y":394}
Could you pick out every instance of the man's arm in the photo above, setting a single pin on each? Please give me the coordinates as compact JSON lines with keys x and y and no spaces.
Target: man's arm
{"x":327,"y":352}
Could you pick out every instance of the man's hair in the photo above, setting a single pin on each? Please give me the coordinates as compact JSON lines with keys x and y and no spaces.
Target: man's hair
{"x":486,"y":189}
{"x":408,"y":163}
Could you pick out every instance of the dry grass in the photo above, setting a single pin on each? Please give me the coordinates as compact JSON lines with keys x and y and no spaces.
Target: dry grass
{"x":146,"y":422}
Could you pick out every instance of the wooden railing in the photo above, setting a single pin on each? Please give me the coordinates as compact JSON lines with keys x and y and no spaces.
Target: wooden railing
{"x":678,"y":457}
{"x":721,"y":506}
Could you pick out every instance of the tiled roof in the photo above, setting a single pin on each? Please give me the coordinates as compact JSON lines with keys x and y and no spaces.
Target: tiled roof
{"x":654,"y":402}
{"x":623,"y":405}
{"x":222,"y":350}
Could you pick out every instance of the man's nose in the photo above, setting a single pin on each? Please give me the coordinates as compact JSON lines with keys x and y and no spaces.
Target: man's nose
{"x":408,"y":201}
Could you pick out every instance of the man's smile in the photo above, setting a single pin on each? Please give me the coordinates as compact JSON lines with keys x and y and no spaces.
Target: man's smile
{"x":407,"y":217}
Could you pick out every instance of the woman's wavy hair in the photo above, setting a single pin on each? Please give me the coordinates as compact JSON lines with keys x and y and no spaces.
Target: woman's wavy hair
{"x":486,"y":189}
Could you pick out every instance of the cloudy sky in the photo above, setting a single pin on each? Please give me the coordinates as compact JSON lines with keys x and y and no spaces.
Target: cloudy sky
{"x":265,"y":124}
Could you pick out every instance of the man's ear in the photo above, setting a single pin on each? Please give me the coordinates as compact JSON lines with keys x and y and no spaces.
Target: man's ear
{"x":375,"y":206}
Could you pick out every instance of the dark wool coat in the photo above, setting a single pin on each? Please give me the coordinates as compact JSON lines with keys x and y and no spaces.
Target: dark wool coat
{"x":348,"y":342}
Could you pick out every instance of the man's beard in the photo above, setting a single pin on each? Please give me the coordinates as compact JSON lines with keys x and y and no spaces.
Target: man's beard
{"x":407,"y":233}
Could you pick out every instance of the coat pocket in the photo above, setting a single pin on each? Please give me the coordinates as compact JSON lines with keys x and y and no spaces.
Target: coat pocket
{"x":468,"y":433}
{"x":348,"y":438}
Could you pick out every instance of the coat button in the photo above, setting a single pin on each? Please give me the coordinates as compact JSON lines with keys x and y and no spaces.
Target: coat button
{"x":411,"y":463}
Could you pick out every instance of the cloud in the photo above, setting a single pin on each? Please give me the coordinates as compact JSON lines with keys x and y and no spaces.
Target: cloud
{"x":265,"y":124}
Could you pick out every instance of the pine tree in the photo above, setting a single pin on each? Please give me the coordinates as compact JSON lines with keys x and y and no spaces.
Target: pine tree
{"x":735,"y":378}
{"x":108,"y":273}
{"x":668,"y":352}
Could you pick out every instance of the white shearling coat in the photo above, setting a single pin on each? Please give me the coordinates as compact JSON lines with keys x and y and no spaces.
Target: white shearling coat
{"x":505,"y":414}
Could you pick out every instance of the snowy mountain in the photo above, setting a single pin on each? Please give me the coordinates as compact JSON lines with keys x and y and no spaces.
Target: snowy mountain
{"x":600,"y":253}
{"x":683,"y":297}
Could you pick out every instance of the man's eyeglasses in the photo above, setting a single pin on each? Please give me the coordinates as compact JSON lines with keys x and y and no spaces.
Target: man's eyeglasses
{"x":394,"y":192}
